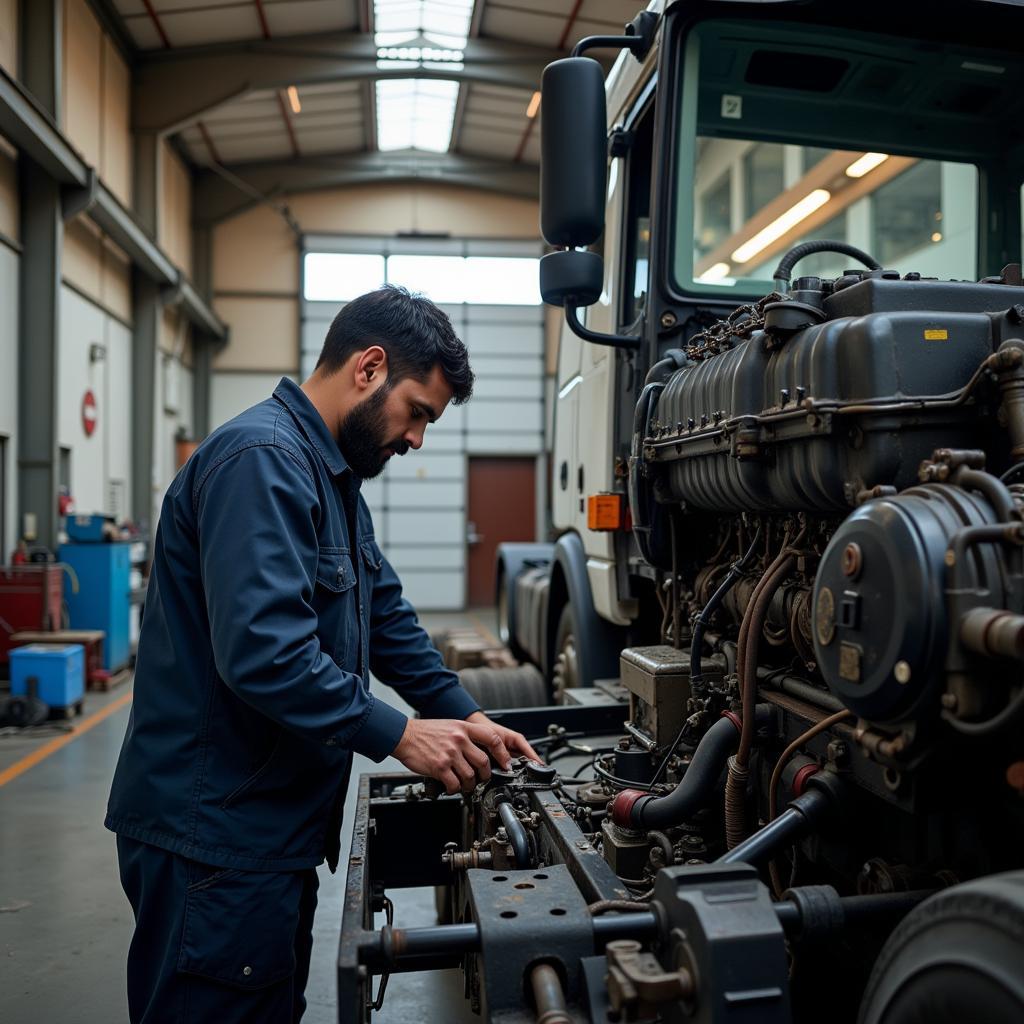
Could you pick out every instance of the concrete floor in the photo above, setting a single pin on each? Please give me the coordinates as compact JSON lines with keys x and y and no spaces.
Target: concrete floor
{"x":65,"y":924}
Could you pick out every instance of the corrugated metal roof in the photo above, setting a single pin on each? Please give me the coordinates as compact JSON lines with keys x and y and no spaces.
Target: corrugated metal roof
{"x":341,"y":117}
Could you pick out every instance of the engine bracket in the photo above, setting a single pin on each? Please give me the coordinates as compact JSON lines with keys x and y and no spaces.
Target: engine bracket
{"x":725,"y":933}
{"x":526,"y":918}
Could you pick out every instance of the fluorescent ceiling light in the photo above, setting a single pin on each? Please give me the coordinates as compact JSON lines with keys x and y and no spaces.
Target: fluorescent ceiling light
{"x":778,"y":227}
{"x":444,"y":23}
{"x":718,"y":272}
{"x":865,"y":163}
{"x":293,"y":99}
{"x":531,"y":110}
{"x":415,"y":113}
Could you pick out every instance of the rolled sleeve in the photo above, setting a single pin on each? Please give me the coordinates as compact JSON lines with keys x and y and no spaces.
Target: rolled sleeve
{"x":256,"y":519}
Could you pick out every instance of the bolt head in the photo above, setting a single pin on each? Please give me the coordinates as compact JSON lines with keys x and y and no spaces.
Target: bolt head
{"x":853,"y":560}
{"x":901,"y":670}
{"x":668,"y":318}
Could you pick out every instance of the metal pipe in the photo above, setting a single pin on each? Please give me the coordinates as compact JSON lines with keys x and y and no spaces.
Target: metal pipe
{"x":412,"y":949}
{"x":797,"y":820}
{"x":516,"y":833}
{"x":641,"y":924}
{"x":548,"y":995}
{"x":800,"y":688}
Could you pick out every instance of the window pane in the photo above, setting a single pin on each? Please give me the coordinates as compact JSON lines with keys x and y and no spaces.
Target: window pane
{"x":338,"y":277}
{"x":907,"y":213}
{"x":763,"y":176}
{"x":715,"y":211}
{"x":481,"y":280}
{"x":437,"y":277}
{"x":771,"y":161}
{"x":501,"y":281}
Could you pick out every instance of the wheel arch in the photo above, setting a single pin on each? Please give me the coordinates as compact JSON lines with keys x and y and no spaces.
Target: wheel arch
{"x":598,"y":642}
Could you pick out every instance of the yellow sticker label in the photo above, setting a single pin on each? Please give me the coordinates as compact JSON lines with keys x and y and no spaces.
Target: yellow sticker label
{"x":936,"y":335}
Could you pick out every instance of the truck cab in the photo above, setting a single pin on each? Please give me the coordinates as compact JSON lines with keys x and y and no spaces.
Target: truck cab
{"x":733,"y":132}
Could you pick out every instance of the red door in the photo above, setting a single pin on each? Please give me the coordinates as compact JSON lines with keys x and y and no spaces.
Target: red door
{"x":502,"y":507}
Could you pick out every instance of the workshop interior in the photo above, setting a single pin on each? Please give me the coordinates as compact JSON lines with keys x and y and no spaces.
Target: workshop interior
{"x":731,"y":530}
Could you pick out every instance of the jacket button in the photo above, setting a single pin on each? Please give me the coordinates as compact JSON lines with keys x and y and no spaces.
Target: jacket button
{"x":247,"y":971}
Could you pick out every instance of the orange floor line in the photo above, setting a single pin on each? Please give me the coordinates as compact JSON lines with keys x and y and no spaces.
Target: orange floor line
{"x":30,"y":760}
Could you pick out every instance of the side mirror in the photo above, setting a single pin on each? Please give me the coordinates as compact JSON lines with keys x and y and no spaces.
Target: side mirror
{"x":574,"y":152}
{"x":571,"y":277}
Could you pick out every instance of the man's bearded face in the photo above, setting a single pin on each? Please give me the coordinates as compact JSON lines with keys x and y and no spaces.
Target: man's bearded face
{"x":364,"y":437}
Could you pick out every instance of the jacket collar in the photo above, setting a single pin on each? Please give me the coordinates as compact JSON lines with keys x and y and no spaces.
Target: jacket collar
{"x":311,"y":423}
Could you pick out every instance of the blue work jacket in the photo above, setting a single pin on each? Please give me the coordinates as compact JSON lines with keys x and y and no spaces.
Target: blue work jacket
{"x":269,"y":603}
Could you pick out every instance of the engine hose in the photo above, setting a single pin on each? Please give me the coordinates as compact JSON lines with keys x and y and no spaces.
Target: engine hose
{"x":997,"y":493}
{"x":750,"y":632}
{"x":780,"y":764}
{"x":784,"y":271}
{"x":516,"y":833}
{"x":734,"y":574}
{"x":637,"y":809}
{"x":674,"y":359}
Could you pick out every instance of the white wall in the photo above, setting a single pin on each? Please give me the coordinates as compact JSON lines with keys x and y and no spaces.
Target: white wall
{"x":100,"y":463}
{"x":232,"y":393}
{"x":9,"y":261}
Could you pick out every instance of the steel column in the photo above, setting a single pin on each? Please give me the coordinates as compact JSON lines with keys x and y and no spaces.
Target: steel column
{"x":147,"y":307}
{"x":42,"y":236}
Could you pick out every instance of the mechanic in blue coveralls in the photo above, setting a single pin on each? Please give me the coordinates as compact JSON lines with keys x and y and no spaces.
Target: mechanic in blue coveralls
{"x":269,"y":605}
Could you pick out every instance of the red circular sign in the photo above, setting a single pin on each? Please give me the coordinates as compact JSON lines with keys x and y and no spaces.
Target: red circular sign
{"x":89,"y":414}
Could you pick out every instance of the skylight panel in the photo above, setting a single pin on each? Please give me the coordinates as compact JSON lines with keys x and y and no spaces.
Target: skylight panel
{"x":443,"y":24}
{"x":415,"y":113}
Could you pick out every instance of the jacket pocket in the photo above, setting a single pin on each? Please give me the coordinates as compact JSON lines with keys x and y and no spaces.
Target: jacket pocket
{"x":334,"y":570}
{"x":372,"y":554}
{"x":240,"y":790}
{"x":240,"y":927}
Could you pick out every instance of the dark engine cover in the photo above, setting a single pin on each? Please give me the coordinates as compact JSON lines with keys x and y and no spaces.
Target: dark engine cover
{"x":835,"y":408}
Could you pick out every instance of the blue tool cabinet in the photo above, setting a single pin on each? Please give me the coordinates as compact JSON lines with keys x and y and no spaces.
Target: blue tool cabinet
{"x":103,"y":598}
{"x":57,"y":670}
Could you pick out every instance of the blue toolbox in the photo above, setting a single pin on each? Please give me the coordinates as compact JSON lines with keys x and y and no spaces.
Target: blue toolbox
{"x":98,"y":595}
{"x":58,"y":671}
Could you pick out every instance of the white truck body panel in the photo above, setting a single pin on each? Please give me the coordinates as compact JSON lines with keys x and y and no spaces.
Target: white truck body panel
{"x":585,"y":400}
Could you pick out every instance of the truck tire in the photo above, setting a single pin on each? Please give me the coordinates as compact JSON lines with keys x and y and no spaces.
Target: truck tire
{"x":491,"y":688}
{"x":957,"y":957}
{"x":566,"y":672}
{"x":505,"y":597}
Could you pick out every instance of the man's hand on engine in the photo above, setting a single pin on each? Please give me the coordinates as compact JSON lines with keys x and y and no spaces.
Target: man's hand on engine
{"x":512,"y":741}
{"x":456,"y":753}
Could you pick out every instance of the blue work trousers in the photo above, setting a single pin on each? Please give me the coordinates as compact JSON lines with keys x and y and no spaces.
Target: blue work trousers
{"x":213,"y":944}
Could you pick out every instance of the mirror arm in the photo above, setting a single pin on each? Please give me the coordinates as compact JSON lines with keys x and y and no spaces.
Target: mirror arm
{"x":638,"y":39}
{"x":614,"y":340}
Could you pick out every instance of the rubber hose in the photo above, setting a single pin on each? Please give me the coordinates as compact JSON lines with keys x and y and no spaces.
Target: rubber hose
{"x":516,"y":833}
{"x":634,"y":809}
{"x":734,"y":574}
{"x":784,"y":270}
{"x":674,"y":359}
{"x":753,"y":620}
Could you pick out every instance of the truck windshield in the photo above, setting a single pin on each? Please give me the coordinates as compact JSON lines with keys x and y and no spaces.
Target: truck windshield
{"x":788,"y":135}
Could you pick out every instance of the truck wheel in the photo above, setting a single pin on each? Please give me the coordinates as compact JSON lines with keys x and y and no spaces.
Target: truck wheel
{"x":957,"y":957}
{"x":566,"y":675}
{"x":520,"y":687}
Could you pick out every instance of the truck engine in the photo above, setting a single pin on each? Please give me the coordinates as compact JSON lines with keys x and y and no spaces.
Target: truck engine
{"x":815,"y":803}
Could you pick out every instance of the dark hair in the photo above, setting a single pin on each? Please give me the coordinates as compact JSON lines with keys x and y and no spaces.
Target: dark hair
{"x":416,"y":335}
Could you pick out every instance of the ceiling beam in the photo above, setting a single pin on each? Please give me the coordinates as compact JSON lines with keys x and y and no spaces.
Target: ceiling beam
{"x":216,"y":199}
{"x":174,"y":88}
